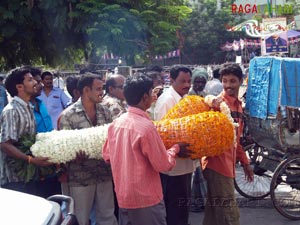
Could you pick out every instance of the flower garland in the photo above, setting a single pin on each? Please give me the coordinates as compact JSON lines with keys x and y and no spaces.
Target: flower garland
{"x":62,"y":146}
{"x":215,"y":130}
{"x":209,"y":99}
{"x":23,"y":169}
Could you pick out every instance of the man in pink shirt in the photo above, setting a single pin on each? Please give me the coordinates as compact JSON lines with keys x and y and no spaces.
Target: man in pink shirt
{"x":137,"y":155}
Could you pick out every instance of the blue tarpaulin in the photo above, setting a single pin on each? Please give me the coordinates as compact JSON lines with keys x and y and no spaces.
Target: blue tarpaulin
{"x":272,"y":82}
{"x":290,"y":83}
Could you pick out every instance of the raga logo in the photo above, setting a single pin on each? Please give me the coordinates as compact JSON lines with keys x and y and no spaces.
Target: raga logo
{"x":258,"y":9}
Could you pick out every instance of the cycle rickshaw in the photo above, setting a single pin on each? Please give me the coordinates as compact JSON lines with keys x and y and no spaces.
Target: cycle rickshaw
{"x":273,"y":121}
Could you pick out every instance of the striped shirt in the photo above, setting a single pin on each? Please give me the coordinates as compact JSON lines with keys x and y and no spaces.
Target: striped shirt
{"x":16,"y":120}
{"x":137,"y":155}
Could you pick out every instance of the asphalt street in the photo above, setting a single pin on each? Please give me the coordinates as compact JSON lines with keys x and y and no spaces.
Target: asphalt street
{"x":258,"y":212}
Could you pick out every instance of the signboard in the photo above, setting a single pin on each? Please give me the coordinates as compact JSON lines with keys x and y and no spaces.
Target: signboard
{"x":275,"y":38}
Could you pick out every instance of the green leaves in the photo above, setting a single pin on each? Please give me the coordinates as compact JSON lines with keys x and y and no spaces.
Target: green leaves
{"x":23,"y":169}
{"x":205,"y":32}
{"x":59,"y":33}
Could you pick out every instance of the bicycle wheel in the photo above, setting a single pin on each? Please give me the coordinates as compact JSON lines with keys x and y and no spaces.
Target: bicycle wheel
{"x":285,"y":188}
{"x":260,"y":187}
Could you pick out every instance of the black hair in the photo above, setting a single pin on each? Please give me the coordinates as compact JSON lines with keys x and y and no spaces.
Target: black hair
{"x":35,"y":71}
{"x":216,"y":72}
{"x":110,"y":82}
{"x":98,"y":73}
{"x":46,"y":73}
{"x":87,"y":80}
{"x":135,"y":88}
{"x":56,"y":74}
{"x":175,"y":70}
{"x":153,"y":74}
{"x":72,"y":84}
{"x":231,"y":68}
{"x":156,"y":69}
{"x":14,"y":77}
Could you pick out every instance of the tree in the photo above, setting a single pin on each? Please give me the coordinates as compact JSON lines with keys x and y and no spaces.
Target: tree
{"x":61,"y":32}
{"x":127,"y":28}
{"x":38,"y":32}
{"x":205,"y":32}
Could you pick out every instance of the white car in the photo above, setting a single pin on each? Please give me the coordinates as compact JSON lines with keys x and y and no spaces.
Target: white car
{"x":19,"y":208}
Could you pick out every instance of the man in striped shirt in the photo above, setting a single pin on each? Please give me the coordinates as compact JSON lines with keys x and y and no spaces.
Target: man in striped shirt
{"x":137,"y":155}
{"x":16,"y":120}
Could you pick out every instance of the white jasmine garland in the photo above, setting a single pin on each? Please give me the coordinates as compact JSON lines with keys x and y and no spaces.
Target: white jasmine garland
{"x":61,"y":146}
{"x":209,"y":99}
{"x":226,"y":111}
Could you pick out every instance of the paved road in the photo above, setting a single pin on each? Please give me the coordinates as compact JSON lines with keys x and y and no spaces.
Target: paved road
{"x":259,"y":212}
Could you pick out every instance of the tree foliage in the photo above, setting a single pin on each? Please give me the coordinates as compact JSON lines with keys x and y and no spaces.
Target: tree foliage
{"x":37,"y":32}
{"x":61,"y":32}
{"x":205,"y":32}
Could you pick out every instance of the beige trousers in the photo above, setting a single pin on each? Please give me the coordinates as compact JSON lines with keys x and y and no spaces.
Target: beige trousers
{"x":101,"y":195}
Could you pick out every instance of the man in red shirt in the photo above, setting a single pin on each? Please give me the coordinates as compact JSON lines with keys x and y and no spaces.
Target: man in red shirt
{"x":221,"y":207}
{"x":137,"y":155}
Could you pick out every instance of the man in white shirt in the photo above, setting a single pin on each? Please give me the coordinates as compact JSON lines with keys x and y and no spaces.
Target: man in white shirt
{"x":58,"y":82}
{"x":177,"y":182}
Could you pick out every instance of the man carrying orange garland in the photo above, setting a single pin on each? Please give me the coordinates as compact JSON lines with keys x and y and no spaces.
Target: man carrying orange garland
{"x":177,"y":182}
{"x":136,"y":165}
{"x":221,"y":207}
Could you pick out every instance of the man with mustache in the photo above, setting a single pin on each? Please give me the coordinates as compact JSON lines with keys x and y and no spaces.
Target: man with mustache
{"x":221,"y":207}
{"x":114,"y":98}
{"x":89,"y":180}
{"x":16,"y":120}
{"x":54,"y":98}
{"x":48,"y":185}
{"x":42,"y":117}
{"x":177,"y":182}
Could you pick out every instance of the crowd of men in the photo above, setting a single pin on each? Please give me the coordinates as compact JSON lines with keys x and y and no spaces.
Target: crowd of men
{"x":138,"y":181}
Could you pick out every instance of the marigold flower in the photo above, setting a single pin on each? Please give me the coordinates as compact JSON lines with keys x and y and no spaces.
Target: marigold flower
{"x":208,"y":133}
{"x":189,"y":105}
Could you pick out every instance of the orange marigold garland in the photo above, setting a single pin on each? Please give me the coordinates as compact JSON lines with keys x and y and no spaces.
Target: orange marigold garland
{"x":208,"y":133}
{"x":189,"y":105}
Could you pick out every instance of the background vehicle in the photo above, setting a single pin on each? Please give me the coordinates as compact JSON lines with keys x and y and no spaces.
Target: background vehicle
{"x":273,"y":119}
{"x":19,"y":208}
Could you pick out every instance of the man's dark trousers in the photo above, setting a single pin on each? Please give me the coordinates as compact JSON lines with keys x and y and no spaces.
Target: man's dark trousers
{"x":177,"y":197}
